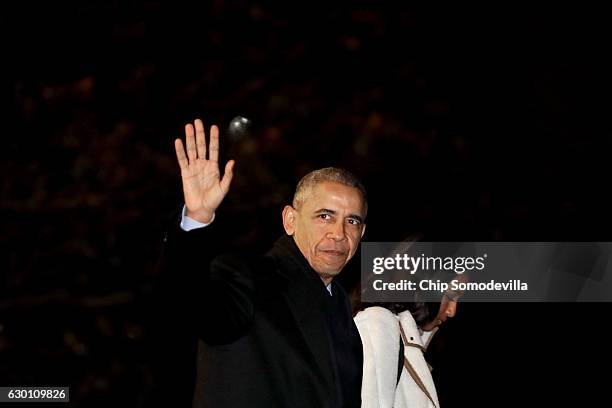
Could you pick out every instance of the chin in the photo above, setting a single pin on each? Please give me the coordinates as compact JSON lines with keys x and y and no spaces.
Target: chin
{"x":328,"y":272}
{"x":336,"y":269}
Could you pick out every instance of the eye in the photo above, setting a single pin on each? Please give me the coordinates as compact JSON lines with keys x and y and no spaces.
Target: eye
{"x":325,"y":216}
{"x":353,"y":221}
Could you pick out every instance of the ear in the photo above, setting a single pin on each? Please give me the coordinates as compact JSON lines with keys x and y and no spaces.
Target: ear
{"x":363,"y":230}
{"x":289,"y":219}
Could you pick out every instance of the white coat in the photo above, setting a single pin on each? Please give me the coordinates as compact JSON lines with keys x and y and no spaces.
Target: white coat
{"x":380,"y":335}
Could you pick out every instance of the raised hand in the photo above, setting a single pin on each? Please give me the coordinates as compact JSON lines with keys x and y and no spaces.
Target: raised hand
{"x":203,"y":187}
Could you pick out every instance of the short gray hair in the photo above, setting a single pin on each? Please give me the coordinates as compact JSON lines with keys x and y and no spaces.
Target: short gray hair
{"x":328,"y":174}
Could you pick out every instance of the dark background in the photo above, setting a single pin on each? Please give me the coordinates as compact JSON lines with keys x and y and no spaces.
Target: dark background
{"x":465,"y":123}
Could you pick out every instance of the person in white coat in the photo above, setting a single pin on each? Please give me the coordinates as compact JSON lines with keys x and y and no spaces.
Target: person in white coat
{"x":391,"y":380}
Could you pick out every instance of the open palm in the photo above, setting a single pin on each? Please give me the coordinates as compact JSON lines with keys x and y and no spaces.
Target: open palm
{"x":203,"y":187}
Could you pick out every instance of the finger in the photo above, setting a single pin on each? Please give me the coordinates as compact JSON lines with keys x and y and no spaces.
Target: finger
{"x":180,"y":154}
{"x":214,"y":144}
{"x":200,"y":139}
{"x":191,"y":149}
{"x":227,"y":176}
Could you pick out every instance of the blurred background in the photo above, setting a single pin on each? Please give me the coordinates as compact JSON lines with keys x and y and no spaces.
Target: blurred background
{"x":465,"y":123}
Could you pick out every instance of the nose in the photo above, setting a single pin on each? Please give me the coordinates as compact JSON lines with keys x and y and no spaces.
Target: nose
{"x":451,"y":308}
{"x":336,"y":231}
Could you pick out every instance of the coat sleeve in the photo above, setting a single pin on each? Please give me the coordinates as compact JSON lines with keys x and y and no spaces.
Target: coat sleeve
{"x":211,"y":295}
{"x":224,"y":306}
{"x":193,"y":298}
{"x":379,"y":331}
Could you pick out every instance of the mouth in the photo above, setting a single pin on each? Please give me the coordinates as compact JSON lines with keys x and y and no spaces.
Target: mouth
{"x":334,"y":254}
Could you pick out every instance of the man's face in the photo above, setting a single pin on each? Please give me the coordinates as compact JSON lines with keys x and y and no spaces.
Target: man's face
{"x":327,"y":227}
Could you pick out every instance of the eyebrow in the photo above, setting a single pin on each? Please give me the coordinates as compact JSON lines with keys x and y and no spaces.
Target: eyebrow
{"x":333,"y":212}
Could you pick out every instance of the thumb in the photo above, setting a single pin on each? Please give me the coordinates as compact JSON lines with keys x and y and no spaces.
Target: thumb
{"x":227,"y":176}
